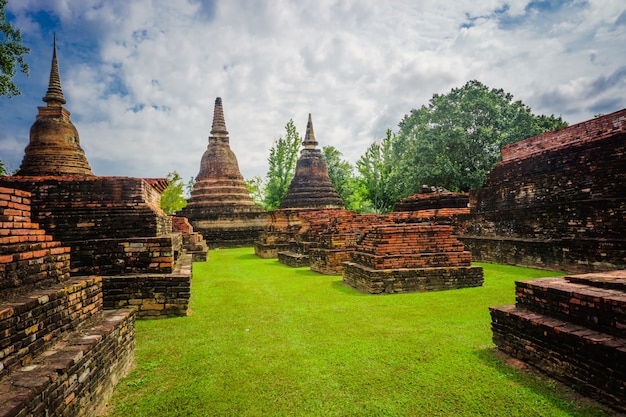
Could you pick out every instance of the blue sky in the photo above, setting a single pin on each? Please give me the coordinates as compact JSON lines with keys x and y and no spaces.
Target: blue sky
{"x":140,"y":77}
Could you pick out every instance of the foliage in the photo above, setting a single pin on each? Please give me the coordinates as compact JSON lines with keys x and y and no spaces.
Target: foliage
{"x":189,"y":186}
{"x":342,"y":176}
{"x":456,"y":140}
{"x":12,"y":53}
{"x":256,"y":188}
{"x":172,"y":198}
{"x":3,"y":169}
{"x":266,"y":339}
{"x":376,"y":168}
{"x":282,"y":166}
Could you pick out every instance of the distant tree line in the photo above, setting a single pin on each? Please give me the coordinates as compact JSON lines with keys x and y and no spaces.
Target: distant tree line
{"x":452,"y":142}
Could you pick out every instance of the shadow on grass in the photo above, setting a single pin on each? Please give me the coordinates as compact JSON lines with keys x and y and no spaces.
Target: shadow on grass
{"x":250,"y":256}
{"x":340,"y":286}
{"x":556,"y":393}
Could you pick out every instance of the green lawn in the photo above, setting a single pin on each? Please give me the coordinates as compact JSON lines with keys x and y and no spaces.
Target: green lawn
{"x":264,"y":339}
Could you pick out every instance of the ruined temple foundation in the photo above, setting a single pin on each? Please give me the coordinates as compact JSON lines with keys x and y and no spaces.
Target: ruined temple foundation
{"x":281,"y":227}
{"x":556,"y":201}
{"x":114,"y":227}
{"x":313,"y":224}
{"x":193,"y":242}
{"x":573,"y":328}
{"x":61,"y":353}
{"x":403,"y":258}
{"x":332,"y":247}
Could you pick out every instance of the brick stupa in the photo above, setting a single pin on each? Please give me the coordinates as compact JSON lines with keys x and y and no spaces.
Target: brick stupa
{"x":54,"y":147}
{"x":311,"y":186}
{"x":220,"y":206}
{"x":310,"y":190}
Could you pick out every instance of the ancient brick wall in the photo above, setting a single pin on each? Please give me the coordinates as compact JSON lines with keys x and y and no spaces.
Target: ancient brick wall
{"x":598,"y":128}
{"x":60,"y":354}
{"x":126,"y":256}
{"x":573,"y":329}
{"x":556,"y":201}
{"x":433,"y":200}
{"x":152,"y":296}
{"x":83,"y":208}
{"x":28,"y":256}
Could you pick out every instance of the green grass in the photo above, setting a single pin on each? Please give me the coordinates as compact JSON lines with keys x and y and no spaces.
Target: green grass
{"x":264,"y":339}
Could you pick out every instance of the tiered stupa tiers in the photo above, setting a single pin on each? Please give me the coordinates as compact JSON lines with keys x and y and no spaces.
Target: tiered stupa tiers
{"x":220,"y":206}
{"x":311,"y":186}
{"x":54,"y":147}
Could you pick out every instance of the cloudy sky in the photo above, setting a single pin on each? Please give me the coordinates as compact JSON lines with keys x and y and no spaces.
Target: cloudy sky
{"x":141,"y":77}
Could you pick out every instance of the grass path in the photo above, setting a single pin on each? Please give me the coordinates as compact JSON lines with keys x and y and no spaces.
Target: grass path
{"x":264,"y":339}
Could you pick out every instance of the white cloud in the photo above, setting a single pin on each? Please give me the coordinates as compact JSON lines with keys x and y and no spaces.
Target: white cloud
{"x":141,"y":77}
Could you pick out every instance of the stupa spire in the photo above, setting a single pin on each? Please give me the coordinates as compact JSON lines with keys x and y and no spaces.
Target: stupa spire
{"x":309,"y":137}
{"x":219,"y":124}
{"x":54,"y":95}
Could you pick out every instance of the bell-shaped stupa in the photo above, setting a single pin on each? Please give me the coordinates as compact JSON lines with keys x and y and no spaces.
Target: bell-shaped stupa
{"x":54,"y":147}
{"x":220,"y":206}
{"x":311,"y":186}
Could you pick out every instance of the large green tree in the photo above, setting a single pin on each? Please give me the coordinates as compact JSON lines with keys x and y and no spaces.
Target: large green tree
{"x":347,"y":184}
{"x":12,"y":53}
{"x":377,"y":170}
{"x":456,"y":139}
{"x":282,"y":166}
{"x":173,"y":197}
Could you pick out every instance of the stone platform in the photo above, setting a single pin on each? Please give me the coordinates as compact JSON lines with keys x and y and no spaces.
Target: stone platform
{"x":573,"y":328}
{"x":151,"y":295}
{"x":410,"y":257}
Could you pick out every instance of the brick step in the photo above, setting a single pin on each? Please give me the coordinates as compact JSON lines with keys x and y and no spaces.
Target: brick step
{"x":611,"y":280}
{"x":292,"y":259}
{"x":76,"y":375}
{"x":14,"y":251}
{"x":30,"y":323}
{"x":592,"y":362}
{"x":569,"y":298}
{"x":418,"y":260}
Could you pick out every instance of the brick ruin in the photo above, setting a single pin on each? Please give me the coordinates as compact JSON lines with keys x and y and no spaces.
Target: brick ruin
{"x":326,"y":243}
{"x":311,"y":186}
{"x":220,"y":206}
{"x":61,"y":353}
{"x":313,"y":224}
{"x":436,"y":204}
{"x":193,"y":242}
{"x":400,"y":258}
{"x":573,"y":328}
{"x":82,"y":256}
{"x":555,"y":201}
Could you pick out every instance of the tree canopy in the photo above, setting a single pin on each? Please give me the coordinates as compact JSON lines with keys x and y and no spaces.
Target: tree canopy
{"x":455,"y":140}
{"x":12,"y":53}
